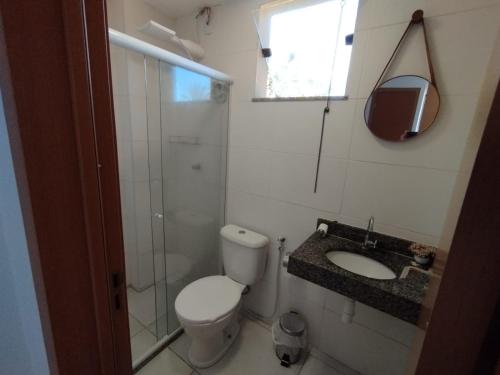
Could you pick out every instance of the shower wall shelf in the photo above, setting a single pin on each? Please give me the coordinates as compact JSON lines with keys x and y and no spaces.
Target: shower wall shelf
{"x":123,"y":40}
{"x":158,"y":31}
{"x":192,"y":49}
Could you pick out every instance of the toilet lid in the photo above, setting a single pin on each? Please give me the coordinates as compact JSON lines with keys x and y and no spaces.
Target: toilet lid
{"x":208,"y":299}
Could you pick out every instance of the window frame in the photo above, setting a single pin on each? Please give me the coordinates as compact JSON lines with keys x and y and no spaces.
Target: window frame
{"x":265,"y":14}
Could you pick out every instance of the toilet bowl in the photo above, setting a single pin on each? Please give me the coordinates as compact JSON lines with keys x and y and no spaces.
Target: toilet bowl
{"x":208,"y":308}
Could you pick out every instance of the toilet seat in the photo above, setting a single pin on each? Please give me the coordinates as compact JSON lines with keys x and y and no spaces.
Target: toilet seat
{"x":208,"y":299}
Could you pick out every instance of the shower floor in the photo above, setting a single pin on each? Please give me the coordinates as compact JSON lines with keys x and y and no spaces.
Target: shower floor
{"x":142,"y":320}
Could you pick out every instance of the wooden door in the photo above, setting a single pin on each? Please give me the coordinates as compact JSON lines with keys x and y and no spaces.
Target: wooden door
{"x":55,"y":79}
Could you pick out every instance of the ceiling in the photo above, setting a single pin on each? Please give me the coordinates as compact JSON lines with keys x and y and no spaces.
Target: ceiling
{"x":179,"y":8}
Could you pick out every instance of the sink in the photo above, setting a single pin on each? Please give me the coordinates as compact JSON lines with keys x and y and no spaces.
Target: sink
{"x":360,"y":265}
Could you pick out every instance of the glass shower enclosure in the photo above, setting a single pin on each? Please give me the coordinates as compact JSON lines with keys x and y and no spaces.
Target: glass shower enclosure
{"x":171,"y":128}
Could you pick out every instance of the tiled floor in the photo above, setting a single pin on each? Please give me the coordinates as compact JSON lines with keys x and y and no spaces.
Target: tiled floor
{"x":141,"y":320}
{"x":141,"y":305}
{"x":251,"y":354}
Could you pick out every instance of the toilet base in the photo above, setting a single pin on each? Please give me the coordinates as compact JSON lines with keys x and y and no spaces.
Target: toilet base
{"x":222,"y":343}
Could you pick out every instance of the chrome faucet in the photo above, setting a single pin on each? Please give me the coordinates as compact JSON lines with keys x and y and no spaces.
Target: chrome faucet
{"x":368,"y":244}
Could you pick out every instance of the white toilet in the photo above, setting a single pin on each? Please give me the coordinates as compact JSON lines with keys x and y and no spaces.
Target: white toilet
{"x":208,"y":307}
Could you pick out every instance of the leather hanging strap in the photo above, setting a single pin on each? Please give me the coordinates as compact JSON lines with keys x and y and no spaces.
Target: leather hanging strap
{"x":416,"y":19}
{"x":427,"y":51}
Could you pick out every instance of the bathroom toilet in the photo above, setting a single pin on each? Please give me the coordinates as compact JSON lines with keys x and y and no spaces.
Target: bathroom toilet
{"x":208,"y":307}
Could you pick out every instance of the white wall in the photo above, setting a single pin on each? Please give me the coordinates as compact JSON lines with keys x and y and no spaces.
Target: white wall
{"x":22,"y":348}
{"x":407,"y":187}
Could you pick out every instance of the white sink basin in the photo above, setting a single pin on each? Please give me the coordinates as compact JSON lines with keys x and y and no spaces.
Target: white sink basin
{"x":360,"y":265}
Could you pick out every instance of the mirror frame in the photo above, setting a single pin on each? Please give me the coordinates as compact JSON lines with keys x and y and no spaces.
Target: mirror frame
{"x":419,"y":133}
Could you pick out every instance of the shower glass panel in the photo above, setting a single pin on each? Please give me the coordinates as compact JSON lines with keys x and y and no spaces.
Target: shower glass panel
{"x":194,"y":118}
{"x":137,"y":118}
{"x":171,"y":128}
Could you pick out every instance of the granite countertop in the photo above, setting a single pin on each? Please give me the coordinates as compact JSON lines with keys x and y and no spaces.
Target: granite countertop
{"x":399,"y":297}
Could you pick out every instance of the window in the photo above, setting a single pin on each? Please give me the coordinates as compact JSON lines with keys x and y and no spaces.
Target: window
{"x":310,"y":56}
{"x":190,"y":86}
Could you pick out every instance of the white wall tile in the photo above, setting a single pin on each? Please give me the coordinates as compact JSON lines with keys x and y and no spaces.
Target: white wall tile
{"x":454,"y":50}
{"x":292,"y":180}
{"x":249,"y":170}
{"x":118,"y":57}
{"x":294,"y":126}
{"x":362,"y":349}
{"x":249,"y":126}
{"x":374,"y":14}
{"x":440,"y":147}
{"x":241,"y":67}
{"x":145,"y":270}
{"x":238,"y":19}
{"x":125,"y":167}
{"x":249,"y":210}
{"x":385,"y":324}
{"x":392,"y":230}
{"x":358,"y":55}
{"x":415,"y":198}
{"x":122,"y":117}
{"x":338,"y":129}
{"x":295,"y":222}
{"x":379,"y":45}
{"x":138,"y":118}
{"x":334,"y":301}
{"x":300,"y":289}
{"x":140,"y":161}
{"x":460,"y":43}
{"x":136,"y":74}
{"x":143,"y":217}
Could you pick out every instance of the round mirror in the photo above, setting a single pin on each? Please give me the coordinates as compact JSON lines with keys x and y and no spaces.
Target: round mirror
{"x":401,"y":108}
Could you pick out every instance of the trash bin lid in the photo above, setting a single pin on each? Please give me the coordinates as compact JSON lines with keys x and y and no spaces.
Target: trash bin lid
{"x":292,"y":323}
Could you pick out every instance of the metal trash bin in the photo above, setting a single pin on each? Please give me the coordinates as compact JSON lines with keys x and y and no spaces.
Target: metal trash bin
{"x":289,"y":337}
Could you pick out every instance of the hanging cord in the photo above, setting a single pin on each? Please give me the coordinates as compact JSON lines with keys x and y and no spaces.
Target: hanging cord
{"x":326,"y":110}
{"x":205,"y":11}
{"x":416,"y":19}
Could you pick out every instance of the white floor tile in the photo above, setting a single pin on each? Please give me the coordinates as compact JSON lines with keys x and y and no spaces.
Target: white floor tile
{"x":134,"y":326}
{"x":251,"y":354}
{"x":166,"y":363}
{"x":314,"y":366}
{"x":181,"y":346}
{"x":141,"y":342}
{"x":330,"y":362}
{"x":142,"y":305}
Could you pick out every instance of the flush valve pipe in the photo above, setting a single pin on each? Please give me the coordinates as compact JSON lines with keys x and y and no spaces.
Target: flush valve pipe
{"x":349,"y":311}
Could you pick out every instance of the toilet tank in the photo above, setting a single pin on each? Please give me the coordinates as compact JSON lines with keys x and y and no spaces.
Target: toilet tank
{"x":244,"y":254}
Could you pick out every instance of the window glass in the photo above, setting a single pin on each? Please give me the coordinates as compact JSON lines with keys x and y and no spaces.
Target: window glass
{"x":308,"y":44}
{"x":190,"y":86}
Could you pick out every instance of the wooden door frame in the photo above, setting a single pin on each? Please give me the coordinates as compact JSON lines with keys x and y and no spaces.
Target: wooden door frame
{"x":56,"y":84}
{"x":55,"y":80}
{"x":462,"y":337}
